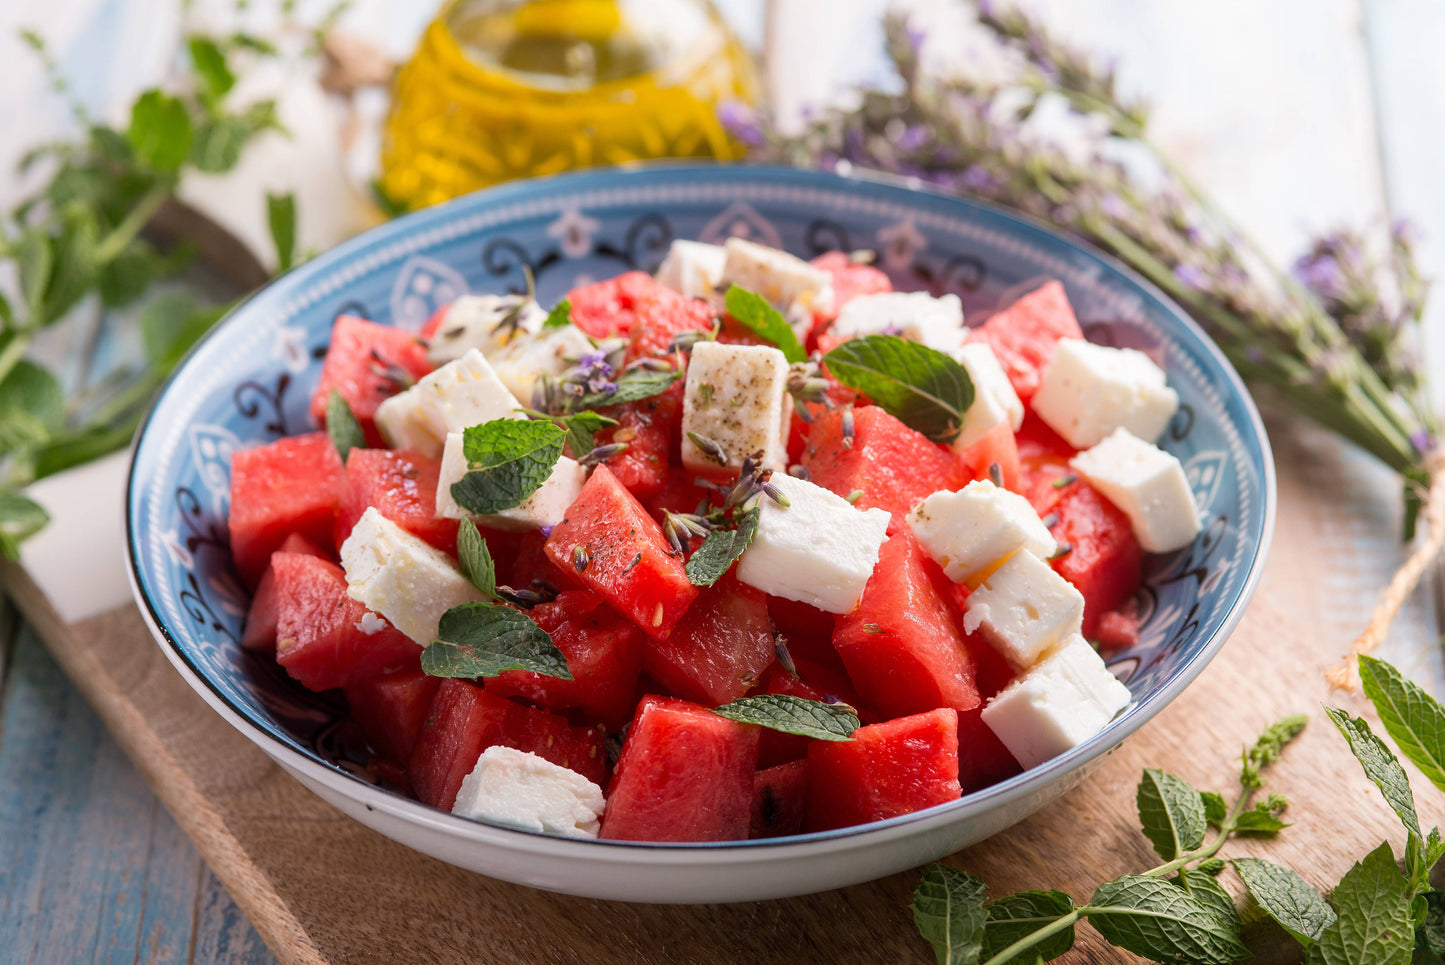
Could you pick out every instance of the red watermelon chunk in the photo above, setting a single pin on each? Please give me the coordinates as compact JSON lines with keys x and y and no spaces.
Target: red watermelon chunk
{"x":260,"y":633}
{"x":887,"y":769}
{"x":850,"y":279}
{"x":628,"y":561}
{"x":903,"y":646}
{"x":604,"y":654}
{"x":324,"y":638}
{"x":392,"y":710}
{"x":815,"y":682}
{"x":894,"y":466}
{"x":996,"y":447}
{"x":661,"y":316}
{"x":983,"y":760}
{"x":292,"y":485}
{"x":1024,"y":335}
{"x":685,"y":774}
{"x":635,"y":307}
{"x":680,"y":493}
{"x":719,"y":649}
{"x":367,"y":363}
{"x":402,"y":485}
{"x":1104,"y":561}
{"x":465,"y":720}
{"x":780,"y":800}
{"x":649,"y":428}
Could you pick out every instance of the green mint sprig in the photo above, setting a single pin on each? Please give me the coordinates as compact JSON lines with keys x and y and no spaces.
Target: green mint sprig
{"x":581,"y":429}
{"x":794,"y":715}
{"x":343,"y":426}
{"x":721,"y":549}
{"x":559,"y":317}
{"x":633,"y":385}
{"x":922,"y":387}
{"x":765,"y":321}
{"x":477,"y":640}
{"x":507,"y":461}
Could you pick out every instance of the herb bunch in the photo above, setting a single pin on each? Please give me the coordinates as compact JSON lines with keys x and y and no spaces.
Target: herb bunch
{"x":1048,"y":133}
{"x":1380,"y":912}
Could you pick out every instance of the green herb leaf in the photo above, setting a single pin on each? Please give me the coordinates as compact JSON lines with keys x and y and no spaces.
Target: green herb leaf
{"x":1380,"y":766}
{"x":484,"y":640}
{"x":1159,"y":920}
{"x":281,"y":219}
{"x":949,"y":912}
{"x":1215,"y":810}
{"x":721,"y":549}
{"x":1270,"y":745}
{"x":920,"y":386}
{"x":1014,"y":917}
{"x":1171,"y":813}
{"x":508,"y":460}
{"x":582,"y":428}
{"x":160,"y":131}
{"x":1412,"y":717}
{"x":794,"y":715}
{"x":218,"y":143}
{"x":1430,"y":935}
{"x":765,"y":321}
{"x":1373,"y":926}
{"x":1207,"y":890}
{"x":343,"y":426}
{"x":171,"y":324}
{"x":632,"y":386}
{"x":211,"y":68}
{"x":20,"y":518}
{"x":128,"y":275}
{"x":1260,"y":822}
{"x":1286,"y":897}
{"x":476,"y":559}
{"x":33,"y":389}
{"x":559,"y":317}
{"x":35,"y":263}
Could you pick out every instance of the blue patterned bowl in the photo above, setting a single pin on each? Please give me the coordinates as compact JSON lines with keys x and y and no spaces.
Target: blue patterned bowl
{"x":249,"y":382}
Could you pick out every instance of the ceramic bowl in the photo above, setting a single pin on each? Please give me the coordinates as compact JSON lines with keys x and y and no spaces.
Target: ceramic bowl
{"x":249,"y":382}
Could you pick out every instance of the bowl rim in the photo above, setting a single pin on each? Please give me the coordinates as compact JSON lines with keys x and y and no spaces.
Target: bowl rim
{"x":968,"y":806}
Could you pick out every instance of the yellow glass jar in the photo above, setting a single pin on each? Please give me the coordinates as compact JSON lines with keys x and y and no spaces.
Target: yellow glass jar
{"x":501,"y":89}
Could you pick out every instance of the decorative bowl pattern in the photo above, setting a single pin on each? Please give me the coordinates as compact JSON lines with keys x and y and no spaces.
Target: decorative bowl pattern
{"x":250,"y":380}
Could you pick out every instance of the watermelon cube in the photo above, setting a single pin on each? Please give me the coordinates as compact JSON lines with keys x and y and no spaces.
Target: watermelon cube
{"x":1024,"y":334}
{"x":983,"y":759}
{"x":1104,"y":560}
{"x":996,"y":447}
{"x":391,"y":711}
{"x":850,"y":279}
{"x":292,"y":485}
{"x":887,"y":769}
{"x":814,"y":682}
{"x":324,"y":638}
{"x":367,"y":363}
{"x":623,"y":555}
{"x":780,"y":800}
{"x":260,"y":632}
{"x":465,"y":720}
{"x":720,"y":648}
{"x":649,"y":428}
{"x":402,"y":485}
{"x":685,"y":774}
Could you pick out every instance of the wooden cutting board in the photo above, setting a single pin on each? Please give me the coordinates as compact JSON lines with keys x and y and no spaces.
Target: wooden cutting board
{"x":323,"y":890}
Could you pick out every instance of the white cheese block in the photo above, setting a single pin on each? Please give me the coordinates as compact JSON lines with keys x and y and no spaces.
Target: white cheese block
{"x":1148,"y":484}
{"x":473,"y":322}
{"x":971,"y":531}
{"x":1087,"y":391}
{"x":1024,"y":609}
{"x":1063,"y":701}
{"x":526,"y":791}
{"x":550,"y":352}
{"x":994,"y":400}
{"x":788,"y":282}
{"x":737,"y":397}
{"x":402,"y":577}
{"x":545,"y":507}
{"x":819,"y":549}
{"x":458,"y":395}
{"x":918,"y":316}
{"x":693,"y":268}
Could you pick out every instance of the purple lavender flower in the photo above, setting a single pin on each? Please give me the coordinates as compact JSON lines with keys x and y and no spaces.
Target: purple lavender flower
{"x":595,"y":372}
{"x":916,"y":38}
{"x":979,"y":178}
{"x":741,"y":122}
{"x":913,"y":138}
{"x":1422,"y":440}
{"x":1320,"y":273}
{"x":1114,"y":207}
{"x":1404,"y":232}
{"x":1192,"y":276}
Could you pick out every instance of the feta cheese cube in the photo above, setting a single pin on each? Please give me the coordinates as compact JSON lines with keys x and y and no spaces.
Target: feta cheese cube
{"x":1025,"y":609}
{"x":693,"y":268}
{"x":819,"y":549}
{"x":456,"y":396}
{"x":1148,"y":485}
{"x":789,"y":282}
{"x":545,"y":507}
{"x":474,"y":322}
{"x":918,"y":316}
{"x":1063,"y":701}
{"x":994,"y":400}
{"x":1087,"y":391}
{"x":528,"y":358}
{"x":402,"y":577}
{"x":971,"y":531}
{"x":737,"y":397}
{"x":526,"y":791}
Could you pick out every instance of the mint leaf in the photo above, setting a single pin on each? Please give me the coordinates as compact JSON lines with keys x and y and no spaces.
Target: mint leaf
{"x":1412,"y":717}
{"x":920,"y":386}
{"x":1430,"y":935}
{"x":1171,"y":813}
{"x":35,"y":264}
{"x":343,"y":427}
{"x":949,"y":912}
{"x":1215,"y":810}
{"x":1380,"y":766}
{"x":1014,"y":917}
{"x":484,"y":640}
{"x":33,"y":389}
{"x":171,"y":324}
{"x":281,"y":219}
{"x":211,"y":68}
{"x":765,"y":321}
{"x":1286,"y":897}
{"x":1373,"y":926}
{"x":721,"y":549}
{"x":476,"y":559}
{"x":507,"y":461}
{"x":794,"y":715}
{"x":632,"y":386}
{"x":20,"y":518}
{"x":1159,"y":920}
{"x":160,"y":131}
{"x":1270,"y":745}
{"x":559,"y":317}
{"x":1207,"y":890}
{"x":1260,"y":822}
{"x":582,"y":428}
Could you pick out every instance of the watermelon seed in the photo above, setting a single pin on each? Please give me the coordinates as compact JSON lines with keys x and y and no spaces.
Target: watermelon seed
{"x":995,"y":474}
{"x":799,"y":472}
{"x":1050,"y":521}
{"x":1066,"y":480}
{"x":580,"y":559}
{"x":1064,"y":550}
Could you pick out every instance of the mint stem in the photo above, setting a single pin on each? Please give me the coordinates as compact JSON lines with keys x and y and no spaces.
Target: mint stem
{"x":1033,"y":938}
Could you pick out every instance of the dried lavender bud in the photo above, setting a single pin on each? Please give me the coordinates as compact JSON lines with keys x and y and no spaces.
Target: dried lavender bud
{"x":708,"y":447}
{"x":601,"y":454}
{"x":785,"y":659}
{"x":684,"y":341}
{"x":848,"y":427}
{"x":1050,"y":521}
{"x":854,"y":496}
{"x":799,"y":472}
{"x":580,"y":559}
{"x":1068,"y":479}
{"x":1064,"y":549}
{"x":995,"y":474}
